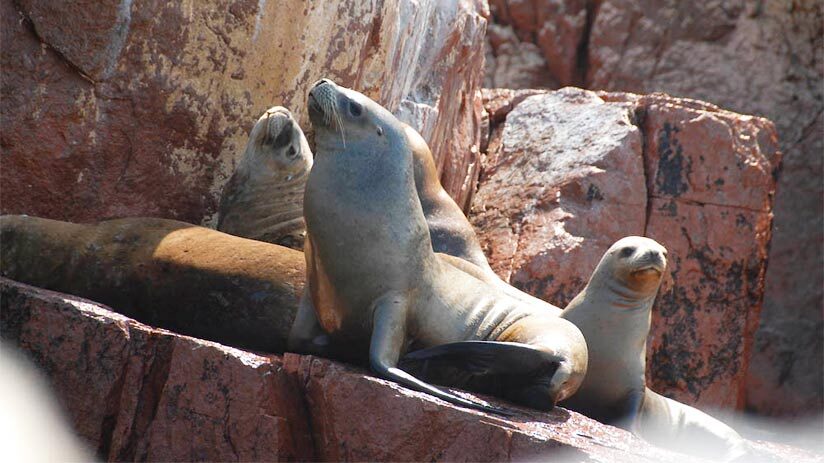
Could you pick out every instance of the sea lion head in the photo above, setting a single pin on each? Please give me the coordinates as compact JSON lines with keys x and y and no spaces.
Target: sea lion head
{"x":346,"y":120}
{"x":277,"y":143}
{"x":633,"y":266}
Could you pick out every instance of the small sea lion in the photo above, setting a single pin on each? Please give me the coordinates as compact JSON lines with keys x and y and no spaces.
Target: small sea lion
{"x":613,"y":311}
{"x":375,"y":286}
{"x":263,"y":199}
{"x":185,"y":278}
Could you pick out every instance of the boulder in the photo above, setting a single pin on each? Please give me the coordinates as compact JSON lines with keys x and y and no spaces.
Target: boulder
{"x":762,"y":58}
{"x":142,"y":108}
{"x":133,"y":392}
{"x":569,"y":172}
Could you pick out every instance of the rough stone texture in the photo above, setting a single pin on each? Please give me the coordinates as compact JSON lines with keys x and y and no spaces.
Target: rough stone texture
{"x":139,"y":393}
{"x":757,"y":57}
{"x":552,"y":31}
{"x":569,"y":172}
{"x":511,"y":63}
{"x":138,"y":107}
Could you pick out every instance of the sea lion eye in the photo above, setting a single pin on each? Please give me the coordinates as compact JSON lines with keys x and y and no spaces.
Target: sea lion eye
{"x":355,"y":108}
{"x":282,"y":139}
{"x":627,"y":251}
{"x":380,"y":131}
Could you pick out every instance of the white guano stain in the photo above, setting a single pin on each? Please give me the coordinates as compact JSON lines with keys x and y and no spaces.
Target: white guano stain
{"x":258,"y":19}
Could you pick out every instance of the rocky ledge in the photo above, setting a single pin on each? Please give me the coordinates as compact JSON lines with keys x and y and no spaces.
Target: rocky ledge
{"x":134,"y":392}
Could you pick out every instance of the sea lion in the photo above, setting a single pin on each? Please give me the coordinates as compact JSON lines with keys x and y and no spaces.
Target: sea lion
{"x":259,"y":202}
{"x":189,"y":279}
{"x":613,"y":311}
{"x":263,"y":199}
{"x":450,"y":231}
{"x":376,"y":287}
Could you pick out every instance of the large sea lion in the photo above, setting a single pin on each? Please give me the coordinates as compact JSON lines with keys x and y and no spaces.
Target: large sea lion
{"x":450,"y":231}
{"x":189,"y":279}
{"x":263,"y":199}
{"x":613,"y":311}
{"x":376,"y":287}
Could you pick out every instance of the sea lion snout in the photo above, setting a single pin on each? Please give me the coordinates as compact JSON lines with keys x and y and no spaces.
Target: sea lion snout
{"x":651,"y":260}
{"x":279,"y":127}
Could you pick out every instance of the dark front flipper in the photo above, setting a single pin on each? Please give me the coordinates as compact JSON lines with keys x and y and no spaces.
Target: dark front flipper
{"x":388,"y":336}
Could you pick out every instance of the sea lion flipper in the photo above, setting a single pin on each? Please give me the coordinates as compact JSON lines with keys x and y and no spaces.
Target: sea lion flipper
{"x":306,"y":335}
{"x":388,"y":336}
{"x":487,"y":357}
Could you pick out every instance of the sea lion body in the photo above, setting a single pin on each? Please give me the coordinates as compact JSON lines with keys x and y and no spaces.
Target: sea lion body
{"x":374,"y":283}
{"x":450,"y":231}
{"x":189,"y":279}
{"x":259,"y":202}
{"x":263,"y":200}
{"x":614,"y":312}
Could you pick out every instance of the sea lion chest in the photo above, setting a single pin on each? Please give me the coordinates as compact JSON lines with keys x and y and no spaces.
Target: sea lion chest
{"x":353,"y":263}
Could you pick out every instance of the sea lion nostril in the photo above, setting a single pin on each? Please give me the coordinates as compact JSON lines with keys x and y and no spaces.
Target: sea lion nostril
{"x":321,"y":82}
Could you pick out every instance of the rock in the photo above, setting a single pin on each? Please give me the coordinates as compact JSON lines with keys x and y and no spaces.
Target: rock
{"x":139,"y":393}
{"x":762,"y":58}
{"x":544,"y":212}
{"x":569,"y":172}
{"x":550,"y":33}
{"x":108,"y":112}
{"x":511,"y":63}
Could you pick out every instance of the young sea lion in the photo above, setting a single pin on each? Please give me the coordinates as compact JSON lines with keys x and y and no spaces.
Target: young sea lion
{"x":375,"y":286}
{"x":613,"y":311}
{"x":263,"y":199}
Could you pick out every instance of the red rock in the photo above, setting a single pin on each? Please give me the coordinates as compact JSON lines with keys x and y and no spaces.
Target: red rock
{"x":136,"y":392}
{"x":543,"y":212}
{"x":511,"y":63}
{"x":109,"y":112}
{"x":140,"y":393}
{"x":759,"y":58}
{"x":547,"y":33}
{"x":571,"y":172}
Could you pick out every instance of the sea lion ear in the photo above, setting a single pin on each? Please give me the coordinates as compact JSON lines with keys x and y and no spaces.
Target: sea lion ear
{"x":484,"y":358}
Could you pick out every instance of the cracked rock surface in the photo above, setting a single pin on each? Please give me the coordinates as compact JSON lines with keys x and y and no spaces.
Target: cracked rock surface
{"x":133,"y":392}
{"x":754,"y":57}
{"x":567,"y":173}
{"x":122,"y":108}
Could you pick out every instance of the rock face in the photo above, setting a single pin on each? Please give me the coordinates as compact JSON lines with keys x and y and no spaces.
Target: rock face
{"x":569,"y":172}
{"x":550,"y":34}
{"x":762,"y":58}
{"x":137,"y":393}
{"x":133,"y":107}
{"x":133,"y":392}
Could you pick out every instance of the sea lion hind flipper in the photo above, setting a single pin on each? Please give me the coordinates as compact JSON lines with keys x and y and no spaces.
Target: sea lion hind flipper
{"x":306,"y":335}
{"x":388,"y":336}
{"x":487,"y":358}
